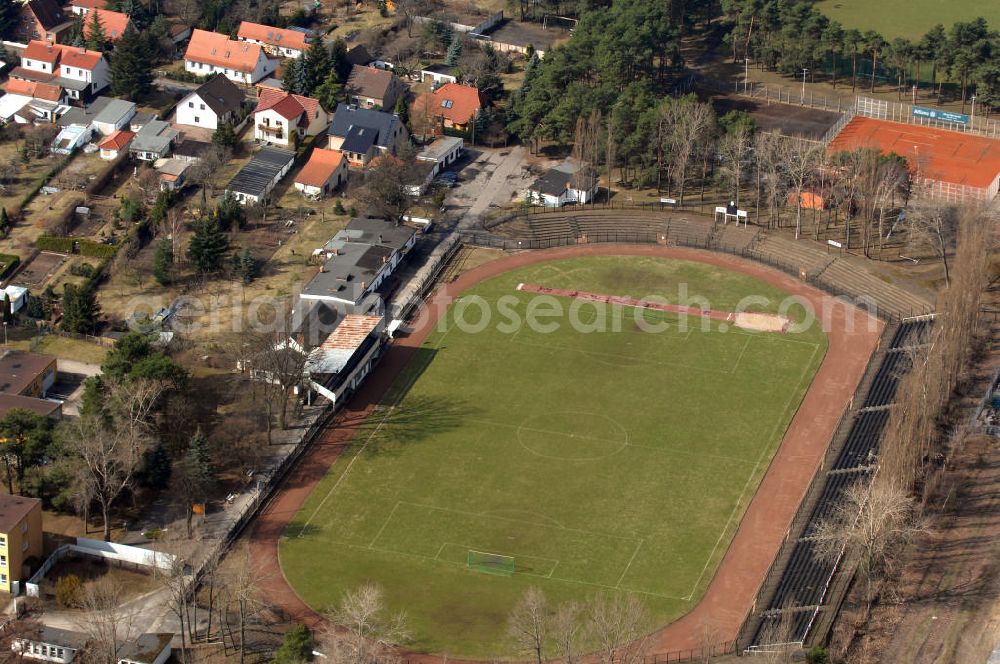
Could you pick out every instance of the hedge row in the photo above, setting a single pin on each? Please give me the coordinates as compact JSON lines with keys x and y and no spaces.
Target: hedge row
{"x":8,"y":263}
{"x":70,"y":245}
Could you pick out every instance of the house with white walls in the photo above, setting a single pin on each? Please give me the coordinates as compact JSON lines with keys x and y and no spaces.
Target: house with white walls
{"x":239,"y":61}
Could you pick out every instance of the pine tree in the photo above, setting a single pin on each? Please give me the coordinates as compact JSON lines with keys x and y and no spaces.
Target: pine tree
{"x":8,"y":314}
{"x":96,"y":37}
{"x":196,"y":478}
{"x":330,"y":92}
{"x":297,"y":646}
{"x":403,"y":111}
{"x":76,"y":37}
{"x":132,"y":67}
{"x":80,"y":309}
{"x":229,"y":213}
{"x":296,"y":78}
{"x":156,"y":468}
{"x":454,"y":51}
{"x":4,"y":222}
{"x":245,"y":265}
{"x":224,"y":136}
{"x":163,"y":261}
{"x":208,"y":246}
{"x":316,"y":63}
{"x":338,"y":60}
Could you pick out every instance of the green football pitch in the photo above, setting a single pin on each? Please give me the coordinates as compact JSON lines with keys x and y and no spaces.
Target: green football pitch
{"x":908,"y":18}
{"x":614,"y":461}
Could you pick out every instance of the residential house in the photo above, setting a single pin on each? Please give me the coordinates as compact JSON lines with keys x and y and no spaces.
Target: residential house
{"x":114,"y":24}
{"x":561,"y":185}
{"x":241,"y":62}
{"x":325,"y":171}
{"x":438,"y":74}
{"x":43,"y":20}
{"x":27,"y":374}
{"x":441,"y":153}
{"x":81,"y":72}
{"x":44,"y":407}
{"x":154,"y":141}
{"x":361,"y":134}
{"x":358,"y":55}
{"x":452,"y":106}
{"x":277,"y":42}
{"x":30,"y":101}
{"x":103,"y":117}
{"x":20,"y":539}
{"x":337,"y":367}
{"x":172,"y":173}
{"x":81,"y":7}
{"x":255,"y":181}
{"x":140,"y":120}
{"x":216,"y":102}
{"x":50,"y":644}
{"x":369,"y":87}
{"x":284,"y":118}
{"x":115,"y":144}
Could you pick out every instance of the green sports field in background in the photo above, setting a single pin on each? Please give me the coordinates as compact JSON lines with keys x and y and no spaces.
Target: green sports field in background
{"x":908,"y":18}
{"x":619,"y":461}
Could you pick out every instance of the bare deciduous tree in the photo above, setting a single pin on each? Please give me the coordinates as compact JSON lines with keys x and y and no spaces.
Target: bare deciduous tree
{"x":800,"y":158}
{"x":870,"y":523}
{"x":690,"y":126}
{"x":527,"y":626}
{"x":365,"y":631}
{"x":108,"y":457}
{"x":734,"y":149}
{"x":566,"y":632}
{"x":933,"y":226}
{"x":108,"y":620}
{"x":618,"y":626}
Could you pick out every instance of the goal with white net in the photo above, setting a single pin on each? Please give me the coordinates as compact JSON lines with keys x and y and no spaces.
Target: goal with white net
{"x":491,"y":563}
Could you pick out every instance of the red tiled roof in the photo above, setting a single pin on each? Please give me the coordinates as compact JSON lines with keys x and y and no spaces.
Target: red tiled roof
{"x":73,"y":56}
{"x":273,"y":36}
{"x":35,"y":90}
{"x":80,"y":58}
{"x":215,"y":49}
{"x":286,"y":104}
{"x":114,"y":23}
{"x":320,"y":168}
{"x":455,"y":102}
{"x":41,"y":51}
{"x":117,"y":140}
{"x":89,"y":4}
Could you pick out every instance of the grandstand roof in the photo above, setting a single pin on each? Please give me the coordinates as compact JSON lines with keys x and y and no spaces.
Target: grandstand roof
{"x":940,"y":154}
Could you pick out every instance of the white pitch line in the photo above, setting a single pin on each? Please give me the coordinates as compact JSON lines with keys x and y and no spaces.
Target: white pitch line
{"x":384,"y":524}
{"x":625,"y":571}
{"x":746,"y":485}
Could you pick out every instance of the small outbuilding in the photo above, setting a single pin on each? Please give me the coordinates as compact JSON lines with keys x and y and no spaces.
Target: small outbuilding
{"x":325,"y":171}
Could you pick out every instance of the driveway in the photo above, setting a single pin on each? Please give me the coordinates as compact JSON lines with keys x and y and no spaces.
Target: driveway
{"x":499,"y":174}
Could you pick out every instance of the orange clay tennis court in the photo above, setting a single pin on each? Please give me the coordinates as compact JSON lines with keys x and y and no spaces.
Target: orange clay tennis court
{"x":959,"y":166}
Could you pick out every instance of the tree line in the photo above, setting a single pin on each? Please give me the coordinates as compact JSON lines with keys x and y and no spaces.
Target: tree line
{"x":791,"y":36}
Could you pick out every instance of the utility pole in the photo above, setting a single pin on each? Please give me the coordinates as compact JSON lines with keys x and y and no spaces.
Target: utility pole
{"x":804,"y":72}
{"x":972,"y":122}
{"x":746,"y":73}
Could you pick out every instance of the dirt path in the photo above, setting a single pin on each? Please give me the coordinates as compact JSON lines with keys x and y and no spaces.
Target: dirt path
{"x":717,"y":618}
